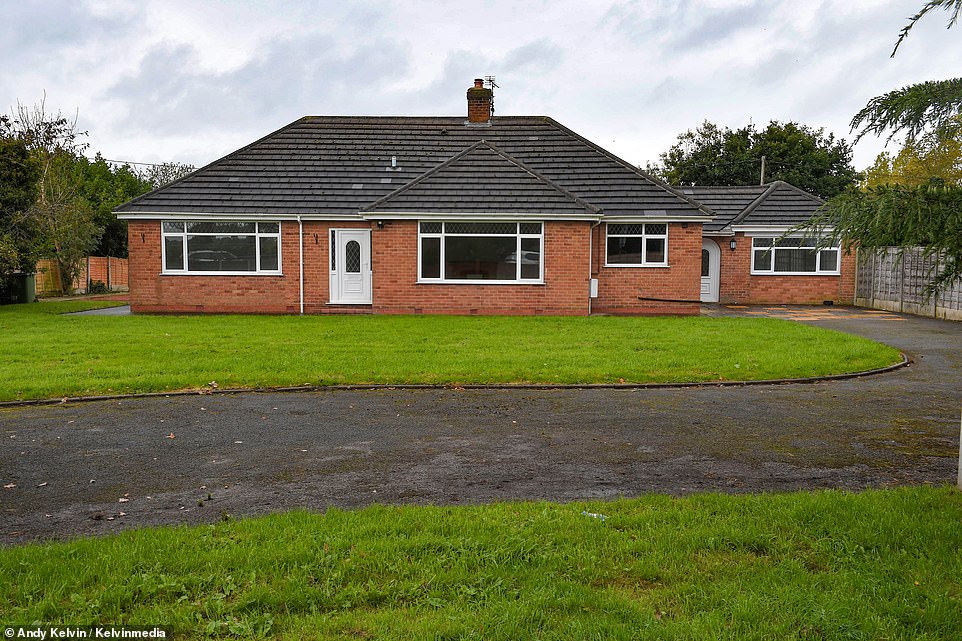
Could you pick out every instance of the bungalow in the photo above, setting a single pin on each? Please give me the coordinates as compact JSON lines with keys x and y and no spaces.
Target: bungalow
{"x":747,"y":257}
{"x":484,"y":215}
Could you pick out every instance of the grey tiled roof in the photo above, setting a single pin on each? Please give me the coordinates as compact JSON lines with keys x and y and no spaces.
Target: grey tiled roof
{"x":777,"y":203}
{"x":337,"y":166}
{"x":483,"y":179}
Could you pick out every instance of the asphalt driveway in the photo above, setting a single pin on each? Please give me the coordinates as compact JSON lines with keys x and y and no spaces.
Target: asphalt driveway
{"x":94,"y":468}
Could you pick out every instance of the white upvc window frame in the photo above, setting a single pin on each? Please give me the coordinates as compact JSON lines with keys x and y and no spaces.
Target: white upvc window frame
{"x":444,"y":234}
{"x":183,"y":235}
{"x":813,"y":245}
{"x":644,"y":236}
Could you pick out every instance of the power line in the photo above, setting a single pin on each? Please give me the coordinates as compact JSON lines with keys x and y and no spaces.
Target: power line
{"x":131,"y":162}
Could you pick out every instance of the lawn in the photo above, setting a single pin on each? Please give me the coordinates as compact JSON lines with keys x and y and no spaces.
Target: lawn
{"x":824,"y":565}
{"x":46,"y":354}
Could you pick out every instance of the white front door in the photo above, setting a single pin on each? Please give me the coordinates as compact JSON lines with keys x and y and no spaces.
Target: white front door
{"x":710,"y":270}
{"x":351,"y":267}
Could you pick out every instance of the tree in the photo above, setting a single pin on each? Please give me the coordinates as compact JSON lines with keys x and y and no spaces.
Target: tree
{"x":800,"y":155}
{"x":926,"y":214}
{"x":955,"y":6}
{"x":930,"y":159}
{"x":19,"y":175}
{"x":165,"y":173}
{"x":889,"y":215}
{"x":932,"y":106}
{"x":104,"y":187}
{"x":60,"y":218}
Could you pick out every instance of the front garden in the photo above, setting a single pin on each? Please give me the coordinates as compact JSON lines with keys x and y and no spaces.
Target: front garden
{"x":47,"y":354}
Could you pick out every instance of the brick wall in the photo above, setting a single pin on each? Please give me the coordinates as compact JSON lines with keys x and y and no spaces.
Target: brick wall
{"x":564,"y":291}
{"x":738,"y":285}
{"x":620,"y":289}
{"x":151,"y":291}
{"x":394,"y":254}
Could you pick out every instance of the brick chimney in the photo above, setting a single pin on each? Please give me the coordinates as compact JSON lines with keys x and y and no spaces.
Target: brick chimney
{"x":479,"y":102}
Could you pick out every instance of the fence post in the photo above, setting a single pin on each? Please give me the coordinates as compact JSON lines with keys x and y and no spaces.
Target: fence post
{"x":109,"y":287}
{"x":902,"y":284}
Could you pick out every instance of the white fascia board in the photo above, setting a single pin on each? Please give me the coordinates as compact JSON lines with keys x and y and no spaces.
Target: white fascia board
{"x":773,"y":229}
{"x":169,"y":215}
{"x":721,"y":233}
{"x":440,"y":215}
{"x":615,"y":220}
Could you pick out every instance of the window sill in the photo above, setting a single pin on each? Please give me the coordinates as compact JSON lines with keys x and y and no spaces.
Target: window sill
{"x":643,"y":265}
{"x":166,"y":273}
{"x":478,"y":281}
{"x":795,"y":273}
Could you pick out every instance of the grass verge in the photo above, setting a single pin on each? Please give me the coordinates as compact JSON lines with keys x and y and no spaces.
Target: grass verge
{"x":824,"y":565}
{"x":45,"y":354}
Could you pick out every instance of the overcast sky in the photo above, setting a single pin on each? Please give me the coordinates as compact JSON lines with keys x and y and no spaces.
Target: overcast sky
{"x":160,"y":80}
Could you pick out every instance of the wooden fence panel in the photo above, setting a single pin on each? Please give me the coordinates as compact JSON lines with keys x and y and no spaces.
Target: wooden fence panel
{"x":108,"y":270}
{"x":895,"y":280}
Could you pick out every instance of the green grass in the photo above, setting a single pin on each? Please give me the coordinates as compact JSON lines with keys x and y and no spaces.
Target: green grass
{"x":824,"y":565}
{"x":45,"y":354}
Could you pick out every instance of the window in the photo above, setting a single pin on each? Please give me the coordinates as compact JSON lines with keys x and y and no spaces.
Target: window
{"x":637,"y":244}
{"x":498,"y":252}
{"x":793,"y":255}
{"x":210,"y":247}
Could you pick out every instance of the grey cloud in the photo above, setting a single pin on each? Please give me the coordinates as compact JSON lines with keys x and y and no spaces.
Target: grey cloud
{"x":777,"y":67}
{"x":538,"y":56}
{"x":628,"y":20}
{"x":682,"y":25}
{"x":716,"y":26}
{"x":168,"y":94}
{"x":40,"y":28}
{"x":446,"y":95}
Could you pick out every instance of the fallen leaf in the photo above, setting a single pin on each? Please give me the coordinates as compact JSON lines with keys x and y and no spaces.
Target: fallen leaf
{"x":44,"y":484}
{"x":123,"y":499}
{"x":9,"y":486}
{"x":171,"y":435}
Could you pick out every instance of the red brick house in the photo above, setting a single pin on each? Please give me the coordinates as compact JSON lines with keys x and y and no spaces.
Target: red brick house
{"x":747,"y":257}
{"x":489,"y":215}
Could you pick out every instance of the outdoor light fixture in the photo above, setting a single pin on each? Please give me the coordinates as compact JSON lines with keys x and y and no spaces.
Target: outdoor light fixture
{"x":380,"y":224}
{"x":731,"y":243}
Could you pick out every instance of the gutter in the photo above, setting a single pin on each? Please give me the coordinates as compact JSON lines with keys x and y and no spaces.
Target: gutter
{"x":591,"y":259}
{"x":300,"y":237}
